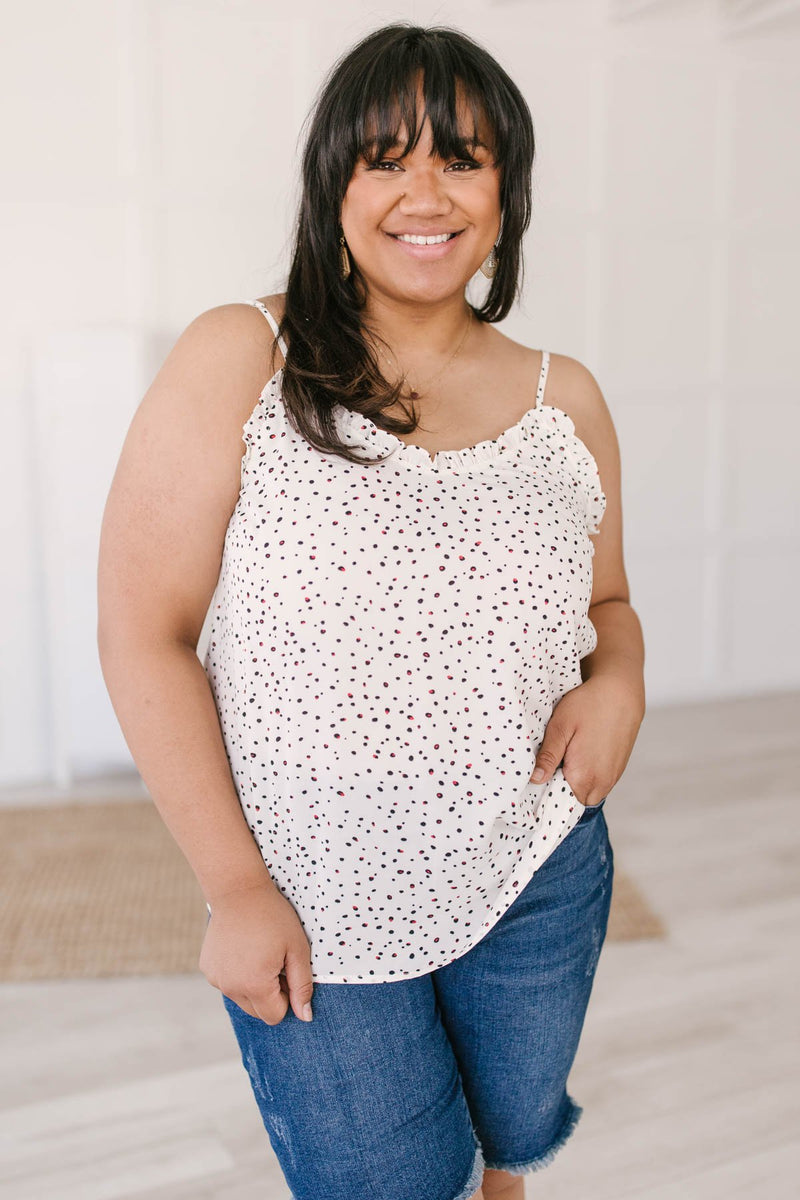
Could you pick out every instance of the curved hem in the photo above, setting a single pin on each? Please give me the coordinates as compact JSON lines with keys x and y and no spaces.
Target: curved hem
{"x":504,"y":901}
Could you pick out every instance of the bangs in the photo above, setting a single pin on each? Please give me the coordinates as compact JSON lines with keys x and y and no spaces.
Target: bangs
{"x":464,"y":110}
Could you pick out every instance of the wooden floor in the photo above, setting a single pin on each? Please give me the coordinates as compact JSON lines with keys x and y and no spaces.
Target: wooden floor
{"x":688,"y":1065}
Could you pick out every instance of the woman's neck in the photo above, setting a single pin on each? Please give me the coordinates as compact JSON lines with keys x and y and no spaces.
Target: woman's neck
{"x":418,"y":332}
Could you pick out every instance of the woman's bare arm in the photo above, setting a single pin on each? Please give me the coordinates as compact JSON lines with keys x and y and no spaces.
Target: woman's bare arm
{"x":175,"y":487}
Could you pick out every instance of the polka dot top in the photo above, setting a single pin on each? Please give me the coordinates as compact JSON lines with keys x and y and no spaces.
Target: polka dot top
{"x":386,"y":648}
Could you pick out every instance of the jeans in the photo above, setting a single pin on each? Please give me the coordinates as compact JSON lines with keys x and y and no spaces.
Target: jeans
{"x":408,"y":1090}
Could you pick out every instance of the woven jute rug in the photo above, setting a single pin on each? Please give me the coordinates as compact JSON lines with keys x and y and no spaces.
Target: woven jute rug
{"x":101,"y":889}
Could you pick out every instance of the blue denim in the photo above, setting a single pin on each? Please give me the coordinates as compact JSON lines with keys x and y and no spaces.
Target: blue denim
{"x":408,"y":1090}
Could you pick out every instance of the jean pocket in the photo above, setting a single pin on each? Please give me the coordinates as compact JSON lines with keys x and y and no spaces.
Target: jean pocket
{"x":591,"y":810}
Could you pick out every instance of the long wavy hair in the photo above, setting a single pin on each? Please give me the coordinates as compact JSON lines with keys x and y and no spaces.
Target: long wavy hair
{"x":367,"y":95}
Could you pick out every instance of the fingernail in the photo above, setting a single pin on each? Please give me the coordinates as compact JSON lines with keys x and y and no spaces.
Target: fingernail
{"x":307,"y":1012}
{"x":538,"y":774}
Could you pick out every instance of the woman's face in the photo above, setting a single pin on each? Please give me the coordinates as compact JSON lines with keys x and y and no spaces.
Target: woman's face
{"x":417,"y":195}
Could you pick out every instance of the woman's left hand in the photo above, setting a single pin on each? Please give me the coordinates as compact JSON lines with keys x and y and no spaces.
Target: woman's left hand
{"x":592,"y":729}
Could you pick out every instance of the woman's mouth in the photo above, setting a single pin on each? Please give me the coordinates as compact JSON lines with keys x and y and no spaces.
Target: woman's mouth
{"x":420,"y":239}
{"x":426,"y":246}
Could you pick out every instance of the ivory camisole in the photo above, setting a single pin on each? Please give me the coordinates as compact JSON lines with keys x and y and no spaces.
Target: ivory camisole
{"x":387,"y":645}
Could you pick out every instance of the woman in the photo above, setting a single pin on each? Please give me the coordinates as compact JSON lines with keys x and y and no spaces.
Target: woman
{"x":406,"y":590}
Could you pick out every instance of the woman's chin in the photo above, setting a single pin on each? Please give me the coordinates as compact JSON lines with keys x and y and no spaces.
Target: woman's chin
{"x":423,"y":287}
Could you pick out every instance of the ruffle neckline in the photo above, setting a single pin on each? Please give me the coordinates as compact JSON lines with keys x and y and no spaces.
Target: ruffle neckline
{"x":545,"y":423}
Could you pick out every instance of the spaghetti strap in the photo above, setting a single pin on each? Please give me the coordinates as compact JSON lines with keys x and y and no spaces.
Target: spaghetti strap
{"x":542,"y":378}
{"x":273,"y":323}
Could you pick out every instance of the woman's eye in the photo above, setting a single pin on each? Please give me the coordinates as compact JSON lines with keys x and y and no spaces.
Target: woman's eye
{"x":388,"y":165}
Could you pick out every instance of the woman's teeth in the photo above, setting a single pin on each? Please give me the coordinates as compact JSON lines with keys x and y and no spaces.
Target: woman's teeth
{"x":417,"y":240}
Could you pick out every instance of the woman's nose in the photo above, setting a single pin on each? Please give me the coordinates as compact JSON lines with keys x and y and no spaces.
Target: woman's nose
{"x":425,"y":193}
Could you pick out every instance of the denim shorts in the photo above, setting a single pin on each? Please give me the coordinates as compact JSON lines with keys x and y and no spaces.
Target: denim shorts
{"x":408,"y":1090}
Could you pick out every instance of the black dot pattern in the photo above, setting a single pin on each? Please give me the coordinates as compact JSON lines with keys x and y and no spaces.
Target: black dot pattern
{"x":386,"y":648}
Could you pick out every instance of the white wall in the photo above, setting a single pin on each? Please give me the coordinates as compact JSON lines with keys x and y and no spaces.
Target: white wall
{"x":148,"y":173}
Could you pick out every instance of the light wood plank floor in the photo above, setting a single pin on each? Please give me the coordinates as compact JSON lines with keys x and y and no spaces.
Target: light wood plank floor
{"x":688,"y":1066}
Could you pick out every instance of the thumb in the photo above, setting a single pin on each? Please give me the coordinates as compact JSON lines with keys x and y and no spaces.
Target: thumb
{"x":300,"y":984}
{"x":548,"y":757}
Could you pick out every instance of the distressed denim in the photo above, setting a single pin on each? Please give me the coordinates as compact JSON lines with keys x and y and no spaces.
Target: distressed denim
{"x":408,"y":1090}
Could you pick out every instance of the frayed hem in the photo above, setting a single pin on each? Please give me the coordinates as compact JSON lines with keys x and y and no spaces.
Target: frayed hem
{"x":476,"y":1175}
{"x":543,"y":1160}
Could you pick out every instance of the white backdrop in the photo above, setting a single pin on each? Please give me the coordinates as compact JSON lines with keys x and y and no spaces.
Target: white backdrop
{"x":149,"y":173}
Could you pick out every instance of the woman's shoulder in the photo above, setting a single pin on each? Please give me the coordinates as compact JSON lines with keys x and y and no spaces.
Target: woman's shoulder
{"x":574,"y":389}
{"x":240,"y":328}
{"x":225,"y":358}
{"x":566,"y":378}
{"x":570,"y":384}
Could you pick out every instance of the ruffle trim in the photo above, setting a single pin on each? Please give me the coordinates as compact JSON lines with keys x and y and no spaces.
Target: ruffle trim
{"x":357,"y":429}
{"x":546,"y":424}
{"x":270,"y":398}
{"x":583,"y":466}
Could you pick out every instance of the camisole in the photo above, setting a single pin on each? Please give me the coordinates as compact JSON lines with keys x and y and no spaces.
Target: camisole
{"x":387,"y":643}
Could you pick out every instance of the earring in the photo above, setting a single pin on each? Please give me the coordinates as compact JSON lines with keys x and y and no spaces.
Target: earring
{"x":489,"y":264}
{"x":344,"y":258}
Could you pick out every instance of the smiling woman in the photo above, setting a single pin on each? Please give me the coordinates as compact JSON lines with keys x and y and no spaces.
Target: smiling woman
{"x":402,"y":569}
{"x":416,"y":173}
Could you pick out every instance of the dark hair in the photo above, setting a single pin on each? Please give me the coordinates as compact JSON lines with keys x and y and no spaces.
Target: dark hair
{"x":366,"y":96}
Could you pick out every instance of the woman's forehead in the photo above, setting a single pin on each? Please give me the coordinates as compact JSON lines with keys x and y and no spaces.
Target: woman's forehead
{"x":388,"y":126}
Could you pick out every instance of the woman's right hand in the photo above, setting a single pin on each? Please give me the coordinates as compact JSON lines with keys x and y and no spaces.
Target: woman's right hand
{"x":257,"y":953}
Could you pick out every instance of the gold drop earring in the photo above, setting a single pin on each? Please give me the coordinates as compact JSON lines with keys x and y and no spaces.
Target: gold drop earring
{"x":344,"y":258}
{"x":489,"y":264}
